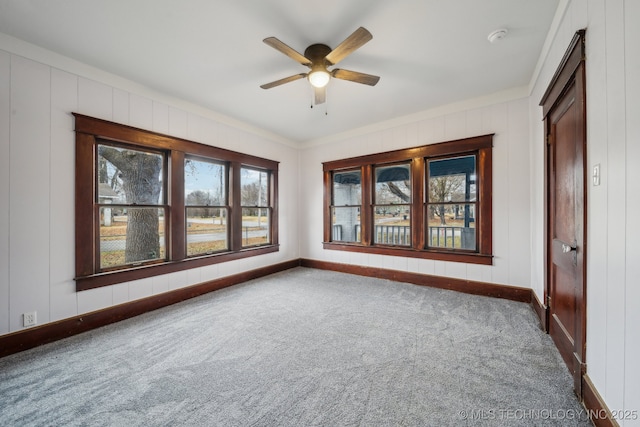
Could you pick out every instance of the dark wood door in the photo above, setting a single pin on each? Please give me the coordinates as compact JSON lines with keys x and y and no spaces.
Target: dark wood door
{"x":566,"y":238}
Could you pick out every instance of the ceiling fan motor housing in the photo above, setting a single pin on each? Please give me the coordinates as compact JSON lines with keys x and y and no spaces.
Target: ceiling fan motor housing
{"x":316,"y":53}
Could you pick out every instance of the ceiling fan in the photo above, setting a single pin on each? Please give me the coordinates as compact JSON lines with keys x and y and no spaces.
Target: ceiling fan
{"x":320,"y":56}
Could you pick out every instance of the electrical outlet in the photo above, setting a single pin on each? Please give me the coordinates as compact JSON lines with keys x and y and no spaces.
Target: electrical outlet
{"x":29,"y":319}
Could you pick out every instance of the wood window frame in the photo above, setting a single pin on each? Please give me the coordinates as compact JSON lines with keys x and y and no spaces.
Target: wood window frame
{"x":480,"y":146}
{"x":374,"y":200}
{"x":224,"y":205}
{"x":267,"y":206}
{"x":351,"y":203}
{"x":90,"y":132}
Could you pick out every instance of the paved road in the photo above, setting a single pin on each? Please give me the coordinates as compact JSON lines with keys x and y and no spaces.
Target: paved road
{"x":120,"y":245}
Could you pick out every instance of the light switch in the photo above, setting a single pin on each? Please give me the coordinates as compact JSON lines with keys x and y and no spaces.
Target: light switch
{"x":596,"y":174}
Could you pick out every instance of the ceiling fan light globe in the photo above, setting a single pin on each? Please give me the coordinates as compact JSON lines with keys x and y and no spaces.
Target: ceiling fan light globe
{"x":319,"y":78}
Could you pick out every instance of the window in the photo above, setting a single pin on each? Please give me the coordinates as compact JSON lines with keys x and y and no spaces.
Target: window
{"x":430,"y":202}
{"x":345,"y":209}
{"x":206,"y":213}
{"x":451,"y":202}
{"x":131,"y":204}
{"x":150,"y":204}
{"x":392,"y":204}
{"x":256,"y":213}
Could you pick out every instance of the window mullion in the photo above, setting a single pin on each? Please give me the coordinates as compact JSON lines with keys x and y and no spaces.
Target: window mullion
{"x":366,"y":210}
{"x":418,"y":203}
{"x":235,"y":205}
{"x":177,"y":229}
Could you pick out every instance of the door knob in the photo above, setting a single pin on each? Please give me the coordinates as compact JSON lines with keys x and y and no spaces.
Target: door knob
{"x":568,"y":248}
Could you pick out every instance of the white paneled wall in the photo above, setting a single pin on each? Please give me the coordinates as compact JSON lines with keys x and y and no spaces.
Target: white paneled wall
{"x":519,"y":196}
{"x":615,"y":181}
{"x":613,"y":230}
{"x":64,"y":98}
{"x":498,"y":120}
{"x":5,"y":161}
{"x":29,"y":190}
{"x":37,"y":156}
{"x":632,"y":128}
{"x":597,"y":197}
{"x":509,"y":120}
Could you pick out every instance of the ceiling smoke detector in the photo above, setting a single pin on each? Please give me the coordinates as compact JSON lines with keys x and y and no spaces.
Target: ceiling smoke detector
{"x":497,"y":35}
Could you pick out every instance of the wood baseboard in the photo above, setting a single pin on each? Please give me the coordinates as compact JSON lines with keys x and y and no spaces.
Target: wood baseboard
{"x":467,"y":286}
{"x":50,"y":332}
{"x":541,"y":311}
{"x":599,"y":413}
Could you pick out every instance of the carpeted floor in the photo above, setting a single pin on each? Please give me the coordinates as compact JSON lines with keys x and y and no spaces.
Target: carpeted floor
{"x":303,"y":347}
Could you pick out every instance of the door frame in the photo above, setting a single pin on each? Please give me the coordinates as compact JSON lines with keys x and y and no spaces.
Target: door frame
{"x":570,"y":71}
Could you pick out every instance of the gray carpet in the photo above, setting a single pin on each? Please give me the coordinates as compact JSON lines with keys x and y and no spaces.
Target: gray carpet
{"x":303,"y":347}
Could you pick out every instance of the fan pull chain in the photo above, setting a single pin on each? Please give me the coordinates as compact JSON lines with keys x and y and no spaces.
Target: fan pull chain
{"x":326,"y":110}
{"x":311,"y":105}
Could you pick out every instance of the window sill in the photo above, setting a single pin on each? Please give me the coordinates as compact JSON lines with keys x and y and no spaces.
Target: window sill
{"x":469,"y":258}
{"x":119,"y":276}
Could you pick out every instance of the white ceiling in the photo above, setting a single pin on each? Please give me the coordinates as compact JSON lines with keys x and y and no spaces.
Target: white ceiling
{"x":428,"y":53}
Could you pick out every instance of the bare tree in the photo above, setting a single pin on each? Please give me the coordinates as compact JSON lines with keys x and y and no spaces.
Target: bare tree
{"x":200,"y":198}
{"x":398,"y":192}
{"x":140,"y":174}
{"x":252,"y":195}
{"x":442,"y":189}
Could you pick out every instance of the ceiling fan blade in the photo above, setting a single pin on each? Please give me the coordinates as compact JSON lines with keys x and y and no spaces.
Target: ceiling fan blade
{"x":320,"y":95}
{"x":283,"y":81}
{"x":290,"y":52}
{"x":354,"y":76}
{"x":351,"y":43}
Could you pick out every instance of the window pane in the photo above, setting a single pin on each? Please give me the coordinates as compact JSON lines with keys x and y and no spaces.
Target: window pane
{"x":452,"y":179}
{"x":393,"y":185}
{"x":206,"y":230}
{"x":255,"y":226}
{"x":452,"y":226}
{"x":254,"y":187}
{"x":392,"y":222}
{"x":204,"y":183}
{"x":131,"y":235}
{"x":392,"y":225}
{"x":129,"y":176}
{"x":347,"y":188}
{"x":345,"y":224}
